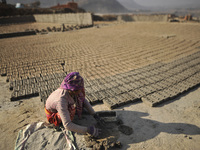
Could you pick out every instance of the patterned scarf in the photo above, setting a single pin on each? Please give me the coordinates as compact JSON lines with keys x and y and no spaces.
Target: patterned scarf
{"x":74,"y":82}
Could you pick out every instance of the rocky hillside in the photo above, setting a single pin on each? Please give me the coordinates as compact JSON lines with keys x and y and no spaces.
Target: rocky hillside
{"x":102,"y":6}
{"x":96,"y":6}
{"x":130,"y":4}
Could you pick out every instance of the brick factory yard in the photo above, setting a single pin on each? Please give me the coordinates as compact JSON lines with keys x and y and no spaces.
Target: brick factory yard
{"x":140,"y":64}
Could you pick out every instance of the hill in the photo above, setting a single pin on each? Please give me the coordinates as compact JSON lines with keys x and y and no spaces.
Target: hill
{"x":96,"y":6}
{"x":131,"y":4}
{"x":102,"y":6}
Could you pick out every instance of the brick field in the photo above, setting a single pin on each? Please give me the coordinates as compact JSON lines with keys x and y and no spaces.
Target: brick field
{"x":121,"y":63}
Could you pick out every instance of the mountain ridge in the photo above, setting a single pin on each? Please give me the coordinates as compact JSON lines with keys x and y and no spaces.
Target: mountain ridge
{"x":96,"y":6}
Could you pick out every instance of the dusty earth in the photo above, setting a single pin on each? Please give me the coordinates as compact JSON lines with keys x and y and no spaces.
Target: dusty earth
{"x":172,"y":125}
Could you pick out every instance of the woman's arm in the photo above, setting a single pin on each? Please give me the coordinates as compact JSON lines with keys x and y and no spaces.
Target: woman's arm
{"x":89,"y":107}
{"x":62,"y":108}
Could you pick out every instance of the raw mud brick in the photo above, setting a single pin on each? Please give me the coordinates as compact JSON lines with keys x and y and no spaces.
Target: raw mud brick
{"x":119,"y":82}
{"x":129,"y":74}
{"x":42,"y":96}
{"x":128,"y":87}
{"x":133,"y":95}
{"x":38,"y":79}
{"x":148,"y":80}
{"x":109,"y":103}
{"x":3,"y":72}
{"x":18,"y":82}
{"x":43,"y":88}
{"x":195,"y":78}
{"x":123,"y":89}
{"x":32,"y":81}
{"x":116,"y":90}
{"x":175,"y":89}
{"x":118,"y":77}
{"x":115,"y":84}
{"x":146,"y":74}
{"x":48,"y":92}
{"x":95,"y":98}
{"x":163,"y":95}
{"x":146,"y":90}
{"x":157,"y":96}
{"x":14,"y":96}
{"x":102,"y":81}
{"x":107,"y":93}
{"x":21,"y":94}
{"x":139,"y":93}
{"x":25,"y":81}
{"x":166,"y":83}
{"x":108,"y":85}
{"x":169,"y":81}
{"x":35,"y":92}
{"x":108,"y":79}
{"x":171,"y":93}
{"x":135,"y":72}
{"x":17,"y":88}
{"x":95,"y":88}
{"x":90,"y":98}
{"x":118,"y":99}
{"x":151,"y":89}
{"x":150,"y":100}
{"x":23,"y":87}
{"x":29,"y":92}
{"x":99,"y":96}
{"x":11,"y":85}
{"x":89,"y":89}
{"x":111,"y":92}
{"x":183,"y":86}
{"x":128,"y":80}
{"x":135,"y":85}
{"x":156,"y":86}
{"x":137,"y":77}
{"x":101,"y":87}
{"x":127,"y":97}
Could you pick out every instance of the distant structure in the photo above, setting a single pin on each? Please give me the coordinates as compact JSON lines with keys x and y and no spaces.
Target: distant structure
{"x":71,"y":5}
{"x":19,"y":5}
{"x":188,"y":17}
{"x":4,"y":2}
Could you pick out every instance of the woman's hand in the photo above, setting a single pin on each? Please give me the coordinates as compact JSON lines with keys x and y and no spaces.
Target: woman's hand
{"x":93,"y":131}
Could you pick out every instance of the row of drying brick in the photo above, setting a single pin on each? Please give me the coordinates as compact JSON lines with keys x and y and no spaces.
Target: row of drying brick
{"x":33,"y":86}
{"x":137,"y":79}
{"x":20,"y":71}
{"x":134,"y":84}
{"x":183,"y":73}
{"x":27,"y":32}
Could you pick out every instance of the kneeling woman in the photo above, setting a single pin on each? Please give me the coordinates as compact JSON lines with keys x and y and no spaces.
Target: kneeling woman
{"x":67,"y":100}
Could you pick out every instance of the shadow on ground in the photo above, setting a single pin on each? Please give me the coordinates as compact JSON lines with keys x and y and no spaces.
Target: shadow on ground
{"x":146,"y":129}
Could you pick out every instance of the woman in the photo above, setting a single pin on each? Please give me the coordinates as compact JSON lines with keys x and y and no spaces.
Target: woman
{"x":67,"y":100}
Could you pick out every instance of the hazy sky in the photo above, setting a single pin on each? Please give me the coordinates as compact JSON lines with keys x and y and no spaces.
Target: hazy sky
{"x":166,"y":2}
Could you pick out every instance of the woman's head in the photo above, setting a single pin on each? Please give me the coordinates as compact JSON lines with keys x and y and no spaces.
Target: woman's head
{"x":73,"y":82}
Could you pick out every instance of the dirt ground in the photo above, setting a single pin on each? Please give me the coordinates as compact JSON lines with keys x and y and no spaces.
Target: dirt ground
{"x":172,"y":125}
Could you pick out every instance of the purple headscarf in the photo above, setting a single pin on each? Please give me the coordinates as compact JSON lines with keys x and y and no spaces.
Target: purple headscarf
{"x":73,"y":82}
